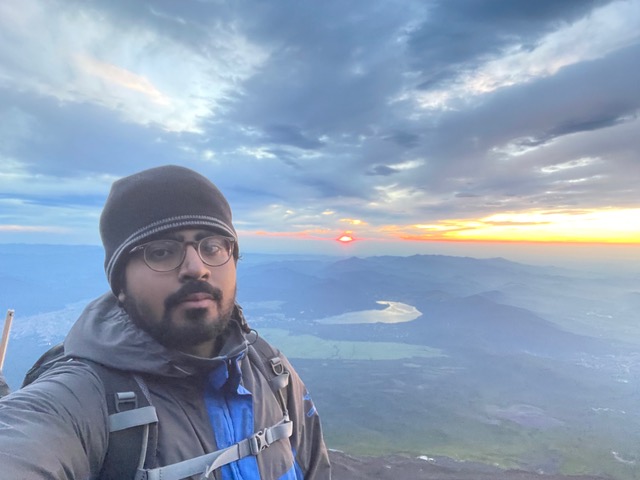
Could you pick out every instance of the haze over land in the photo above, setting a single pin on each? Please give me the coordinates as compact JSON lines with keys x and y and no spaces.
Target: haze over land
{"x":508,"y":365}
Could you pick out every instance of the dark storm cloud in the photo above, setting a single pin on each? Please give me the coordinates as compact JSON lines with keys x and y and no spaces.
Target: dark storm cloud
{"x":601,"y":120}
{"x":285,"y":157}
{"x":290,"y":135}
{"x":534,"y":114}
{"x":332,"y":69}
{"x":404,"y":139}
{"x":459,"y":34}
{"x":382,"y":170}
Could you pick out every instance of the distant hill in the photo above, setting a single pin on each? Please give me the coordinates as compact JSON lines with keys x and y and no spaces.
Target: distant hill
{"x":41,"y":278}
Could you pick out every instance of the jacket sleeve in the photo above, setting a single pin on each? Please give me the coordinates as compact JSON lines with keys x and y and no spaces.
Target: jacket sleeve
{"x":307,"y":440}
{"x":55,"y":428}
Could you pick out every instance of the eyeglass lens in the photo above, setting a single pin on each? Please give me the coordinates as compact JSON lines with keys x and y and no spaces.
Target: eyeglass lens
{"x":166,"y":255}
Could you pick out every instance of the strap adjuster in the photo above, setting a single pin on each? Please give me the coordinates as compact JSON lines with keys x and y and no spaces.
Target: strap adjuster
{"x":129,"y":399}
{"x":258,"y":442}
{"x":276,"y":365}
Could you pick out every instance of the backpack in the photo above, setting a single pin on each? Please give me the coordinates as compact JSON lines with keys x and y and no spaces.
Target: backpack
{"x":133,"y":423}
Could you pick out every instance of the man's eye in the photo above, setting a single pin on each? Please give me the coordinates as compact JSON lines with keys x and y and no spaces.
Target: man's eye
{"x":159,"y":252}
{"x":210,"y":248}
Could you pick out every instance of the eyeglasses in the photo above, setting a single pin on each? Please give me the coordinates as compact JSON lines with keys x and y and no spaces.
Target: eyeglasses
{"x":167,"y":255}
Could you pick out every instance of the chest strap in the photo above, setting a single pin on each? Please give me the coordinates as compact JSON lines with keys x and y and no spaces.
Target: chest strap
{"x":206,"y":464}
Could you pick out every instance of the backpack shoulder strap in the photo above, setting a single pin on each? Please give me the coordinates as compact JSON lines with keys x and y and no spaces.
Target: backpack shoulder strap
{"x":133,"y":423}
{"x":270,"y":364}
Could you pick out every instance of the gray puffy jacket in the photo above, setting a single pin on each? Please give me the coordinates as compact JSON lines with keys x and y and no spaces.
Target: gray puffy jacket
{"x":57,"y":427}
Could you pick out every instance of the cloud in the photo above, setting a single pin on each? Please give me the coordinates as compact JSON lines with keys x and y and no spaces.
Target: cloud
{"x":457,"y":37}
{"x":290,"y":135}
{"x":382,"y":170}
{"x":32,"y":229}
{"x":605,"y":30}
{"x":395,"y":116}
{"x":74,"y":52}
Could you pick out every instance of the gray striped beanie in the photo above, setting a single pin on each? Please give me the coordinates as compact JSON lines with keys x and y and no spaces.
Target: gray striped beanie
{"x":154,"y":201}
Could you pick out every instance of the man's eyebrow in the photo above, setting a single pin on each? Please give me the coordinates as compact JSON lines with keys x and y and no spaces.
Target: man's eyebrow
{"x":180,"y":237}
{"x":205,"y":234}
{"x":167,"y":236}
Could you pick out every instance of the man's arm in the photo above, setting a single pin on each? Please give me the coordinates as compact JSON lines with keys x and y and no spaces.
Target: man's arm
{"x":56,"y":428}
{"x":307,"y":440}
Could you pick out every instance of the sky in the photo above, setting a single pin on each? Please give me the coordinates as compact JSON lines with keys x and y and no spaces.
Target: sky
{"x":478,"y":127}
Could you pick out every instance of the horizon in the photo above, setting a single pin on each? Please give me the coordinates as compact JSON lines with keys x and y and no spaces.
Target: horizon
{"x":602,"y":258}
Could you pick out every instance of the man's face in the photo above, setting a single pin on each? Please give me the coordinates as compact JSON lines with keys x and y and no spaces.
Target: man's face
{"x":186,"y":308}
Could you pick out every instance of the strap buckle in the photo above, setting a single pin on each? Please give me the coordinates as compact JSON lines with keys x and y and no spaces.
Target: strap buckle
{"x":258,"y":442}
{"x":125,"y":398}
{"x":276,"y":365}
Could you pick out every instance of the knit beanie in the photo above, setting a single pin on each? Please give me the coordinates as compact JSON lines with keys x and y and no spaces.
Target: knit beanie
{"x":158,"y":200}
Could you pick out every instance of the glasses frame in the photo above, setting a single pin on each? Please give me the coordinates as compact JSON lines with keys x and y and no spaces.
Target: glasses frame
{"x":194,"y":243}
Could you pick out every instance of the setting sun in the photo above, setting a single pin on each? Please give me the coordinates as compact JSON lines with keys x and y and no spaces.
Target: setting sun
{"x":345,"y":238}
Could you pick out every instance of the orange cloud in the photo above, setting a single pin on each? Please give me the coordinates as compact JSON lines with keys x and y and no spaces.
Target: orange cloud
{"x":122,"y":77}
{"x":354,"y":221}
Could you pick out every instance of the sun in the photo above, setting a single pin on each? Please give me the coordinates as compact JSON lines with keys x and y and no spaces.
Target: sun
{"x":345,"y":238}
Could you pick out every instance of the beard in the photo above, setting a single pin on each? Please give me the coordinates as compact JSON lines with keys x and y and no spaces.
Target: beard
{"x":196,"y":327}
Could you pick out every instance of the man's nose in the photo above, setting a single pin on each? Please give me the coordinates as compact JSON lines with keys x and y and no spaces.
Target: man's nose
{"x":193,"y":267}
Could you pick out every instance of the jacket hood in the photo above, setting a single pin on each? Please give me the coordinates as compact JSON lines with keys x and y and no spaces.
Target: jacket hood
{"x":104,"y":334}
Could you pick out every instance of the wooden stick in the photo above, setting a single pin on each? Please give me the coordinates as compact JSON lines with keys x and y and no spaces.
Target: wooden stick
{"x":5,"y":336}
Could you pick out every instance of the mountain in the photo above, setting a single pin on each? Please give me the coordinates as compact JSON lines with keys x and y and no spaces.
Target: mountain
{"x":42,"y":278}
{"x":487,"y":363}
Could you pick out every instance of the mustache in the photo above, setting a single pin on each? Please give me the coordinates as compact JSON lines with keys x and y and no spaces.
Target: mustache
{"x":191,"y":288}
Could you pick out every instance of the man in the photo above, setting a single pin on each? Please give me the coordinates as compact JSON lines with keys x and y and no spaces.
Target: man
{"x":171,"y":322}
